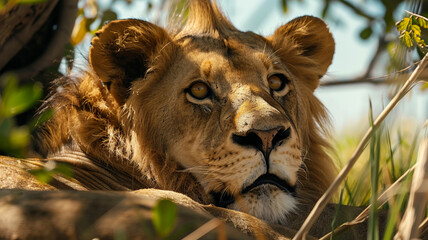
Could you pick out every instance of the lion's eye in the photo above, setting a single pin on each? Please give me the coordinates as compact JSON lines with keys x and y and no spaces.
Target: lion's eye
{"x":277,"y":82}
{"x":199,"y":90}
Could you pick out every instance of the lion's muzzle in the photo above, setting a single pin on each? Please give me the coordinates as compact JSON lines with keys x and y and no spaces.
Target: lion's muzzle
{"x":263,"y":140}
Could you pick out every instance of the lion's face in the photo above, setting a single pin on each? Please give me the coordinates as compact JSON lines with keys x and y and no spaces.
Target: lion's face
{"x":234,"y":111}
{"x":228,"y":115}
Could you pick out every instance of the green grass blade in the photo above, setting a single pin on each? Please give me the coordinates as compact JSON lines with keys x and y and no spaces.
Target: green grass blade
{"x":394,"y":211}
{"x":411,"y":158}
{"x":336,"y":214}
{"x":351,"y":199}
{"x":391,"y":156}
{"x":373,"y":232}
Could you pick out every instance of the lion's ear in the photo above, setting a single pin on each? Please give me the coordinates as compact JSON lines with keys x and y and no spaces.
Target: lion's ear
{"x":122,"y":52}
{"x":307,"y":44}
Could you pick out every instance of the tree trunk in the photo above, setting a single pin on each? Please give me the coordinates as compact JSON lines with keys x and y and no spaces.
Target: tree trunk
{"x":33,"y":36}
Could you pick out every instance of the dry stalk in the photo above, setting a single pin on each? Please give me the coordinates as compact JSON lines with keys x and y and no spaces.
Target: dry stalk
{"x":204,"y":229}
{"x":423,"y":227}
{"x":381,"y":200}
{"x":325,"y":198}
{"x":415,"y":211}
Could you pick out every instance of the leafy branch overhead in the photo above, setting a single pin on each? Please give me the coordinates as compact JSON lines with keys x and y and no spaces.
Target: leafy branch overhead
{"x":410,"y":29}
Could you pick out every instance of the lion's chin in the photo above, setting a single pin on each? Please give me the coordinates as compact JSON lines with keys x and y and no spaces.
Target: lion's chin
{"x":266,"y":202}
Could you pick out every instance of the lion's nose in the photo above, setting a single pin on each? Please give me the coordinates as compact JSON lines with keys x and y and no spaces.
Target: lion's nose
{"x":263,"y":140}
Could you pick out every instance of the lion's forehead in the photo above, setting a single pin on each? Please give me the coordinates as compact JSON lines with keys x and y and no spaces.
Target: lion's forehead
{"x":238,"y":54}
{"x":231,"y":43}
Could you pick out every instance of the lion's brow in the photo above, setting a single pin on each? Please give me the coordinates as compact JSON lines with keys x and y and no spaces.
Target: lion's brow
{"x":200,"y":41}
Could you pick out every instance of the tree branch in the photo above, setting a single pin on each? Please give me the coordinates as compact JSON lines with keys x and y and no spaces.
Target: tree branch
{"x":396,"y":77}
{"x":359,"y":80}
{"x":55,"y":49}
{"x":357,"y":10}
{"x":14,"y":37}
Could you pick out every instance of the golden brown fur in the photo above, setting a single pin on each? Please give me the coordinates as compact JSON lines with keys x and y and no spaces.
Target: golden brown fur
{"x":132,"y":117}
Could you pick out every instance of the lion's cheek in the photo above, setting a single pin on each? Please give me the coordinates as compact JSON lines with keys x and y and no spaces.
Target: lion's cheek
{"x":286,"y":162}
{"x":186,"y":152}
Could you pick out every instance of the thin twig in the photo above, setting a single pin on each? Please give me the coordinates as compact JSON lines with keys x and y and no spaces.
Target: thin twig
{"x":357,"y":10}
{"x":325,"y":198}
{"x":385,"y":79}
{"x":359,"y":80}
{"x":417,"y":15}
{"x":380,"y":48}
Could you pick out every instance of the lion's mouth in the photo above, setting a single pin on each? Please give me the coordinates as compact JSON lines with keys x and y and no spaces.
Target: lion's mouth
{"x":273,"y":180}
{"x":223,"y":199}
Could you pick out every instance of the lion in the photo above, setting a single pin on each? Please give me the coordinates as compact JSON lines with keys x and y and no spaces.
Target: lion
{"x":223,"y":116}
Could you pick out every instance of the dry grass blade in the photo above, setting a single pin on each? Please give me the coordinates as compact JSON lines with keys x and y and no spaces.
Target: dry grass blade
{"x":423,"y":227}
{"x":381,"y":200}
{"x":415,"y":210}
{"x":325,"y":198}
{"x":204,"y":229}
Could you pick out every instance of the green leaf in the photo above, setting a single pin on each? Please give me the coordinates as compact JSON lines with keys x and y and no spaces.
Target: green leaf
{"x":14,"y":140}
{"x":42,"y":175}
{"x":284,"y":6}
{"x":164,"y":217}
{"x":30,"y":1}
{"x":10,"y":87}
{"x":20,"y":137}
{"x":424,"y":86}
{"x":403,"y":24}
{"x":51,"y":168}
{"x":6,"y":126}
{"x":366,"y":33}
{"x":81,"y":12}
{"x":89,"y":22}
{"x":108,"y":15}
{"x":64,"y":169}
{"x":40,"y":119}
{"x":19,"y":99}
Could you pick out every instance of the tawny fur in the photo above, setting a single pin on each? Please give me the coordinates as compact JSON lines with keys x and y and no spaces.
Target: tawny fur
{"x":118,"y":112}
